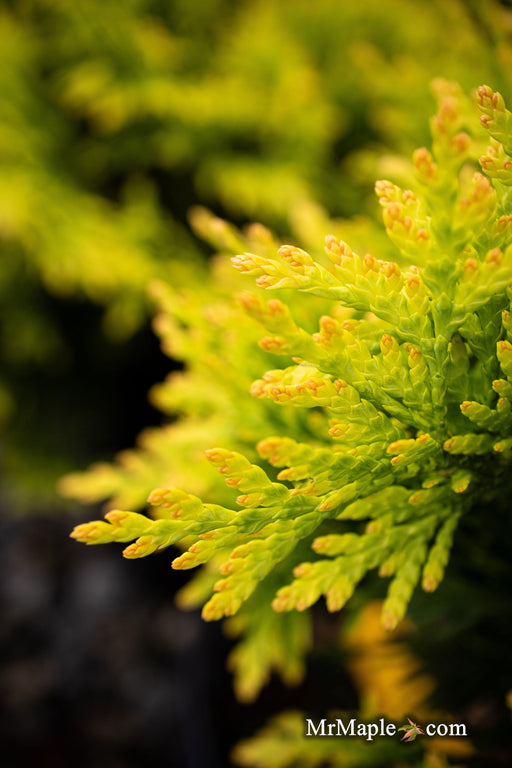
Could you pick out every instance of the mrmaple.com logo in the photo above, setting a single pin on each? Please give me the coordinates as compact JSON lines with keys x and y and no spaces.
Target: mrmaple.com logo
{"x":371,"y":730}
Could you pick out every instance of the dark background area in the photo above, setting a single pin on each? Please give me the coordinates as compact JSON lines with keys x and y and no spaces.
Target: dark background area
{"x":100,"y":669}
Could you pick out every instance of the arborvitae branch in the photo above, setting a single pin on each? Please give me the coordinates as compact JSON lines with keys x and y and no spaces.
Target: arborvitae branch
{"x":411,"y":382}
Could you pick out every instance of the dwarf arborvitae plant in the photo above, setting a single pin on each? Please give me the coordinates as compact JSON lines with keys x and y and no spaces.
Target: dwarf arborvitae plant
{"x":404,"y":396}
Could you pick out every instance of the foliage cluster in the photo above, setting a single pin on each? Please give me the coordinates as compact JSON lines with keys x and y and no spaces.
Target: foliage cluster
{"x":388,"y":423}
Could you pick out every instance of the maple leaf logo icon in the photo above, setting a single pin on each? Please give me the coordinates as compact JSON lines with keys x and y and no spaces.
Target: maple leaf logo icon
{"x":411,"y":731}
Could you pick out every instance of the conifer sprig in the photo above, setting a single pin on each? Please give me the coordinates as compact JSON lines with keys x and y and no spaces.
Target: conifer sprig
{"x":412,"y":382}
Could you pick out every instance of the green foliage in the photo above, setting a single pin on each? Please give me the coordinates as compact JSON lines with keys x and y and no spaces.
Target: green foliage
{"x":90,"y":117}
{"x":382,"y":429}
{"x":107,"y":138}
{"x":374,"y":414}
